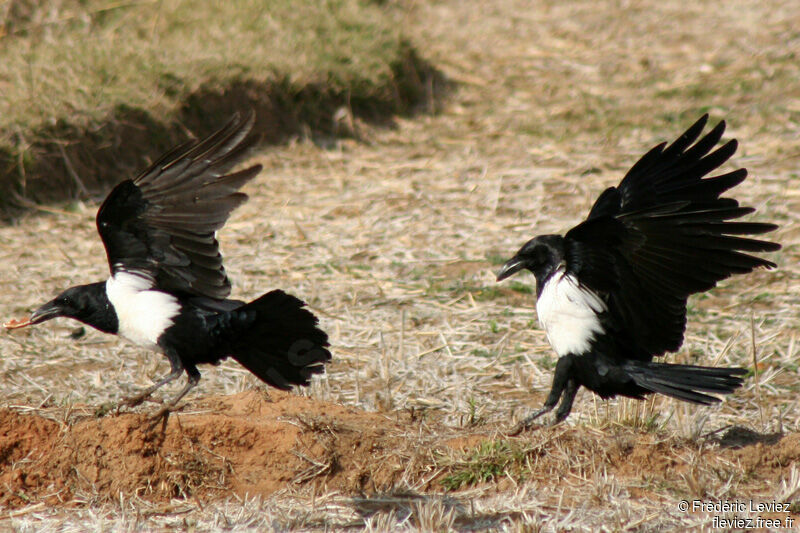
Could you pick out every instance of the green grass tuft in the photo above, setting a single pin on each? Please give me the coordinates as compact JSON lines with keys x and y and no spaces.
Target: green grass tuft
{"x":523,"y":288}
{"x":488,"y":462}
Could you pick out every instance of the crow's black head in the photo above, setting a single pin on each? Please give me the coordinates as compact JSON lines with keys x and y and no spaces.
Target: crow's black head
{"x":540,"y":255}
{"x":86,"y":303}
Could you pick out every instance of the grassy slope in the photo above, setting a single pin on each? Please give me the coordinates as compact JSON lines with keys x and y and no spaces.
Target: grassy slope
{"x":82,"y":61}
{"x":83,"y":74}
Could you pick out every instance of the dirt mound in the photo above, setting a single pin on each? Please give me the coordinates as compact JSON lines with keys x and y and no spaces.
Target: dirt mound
{"x":250,"y":443}
{"x":259,"y":442}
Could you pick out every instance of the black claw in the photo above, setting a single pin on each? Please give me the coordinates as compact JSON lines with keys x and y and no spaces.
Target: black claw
{"x":164,"y":412}
{"x":527,"y":423}
{"x":138,"y":399}
{"x":162,"y":415}
{"x":519,"y":428}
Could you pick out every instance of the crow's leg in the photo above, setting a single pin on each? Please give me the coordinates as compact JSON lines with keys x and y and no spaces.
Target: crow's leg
{"x":567,"y":398}
{"x":175,"y":373}
{"x":561,"y":381}
{"x":193,"y":378}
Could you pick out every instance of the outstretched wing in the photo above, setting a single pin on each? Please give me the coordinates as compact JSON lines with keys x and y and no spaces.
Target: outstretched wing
{"x":162,"y":224}
{"x":663,"y":234}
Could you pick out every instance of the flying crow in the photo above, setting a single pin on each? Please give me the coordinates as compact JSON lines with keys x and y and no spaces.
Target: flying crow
{"x":611,"y":293}
{"x":168,"y":290}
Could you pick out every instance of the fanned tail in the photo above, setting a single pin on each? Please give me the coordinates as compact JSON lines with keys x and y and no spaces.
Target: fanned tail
{"x":686,"y":382}
{"x":282,"y":344}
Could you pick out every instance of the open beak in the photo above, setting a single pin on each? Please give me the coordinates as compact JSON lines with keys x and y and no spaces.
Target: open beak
{"x":45,"y":312}
{"x":512,"y":266}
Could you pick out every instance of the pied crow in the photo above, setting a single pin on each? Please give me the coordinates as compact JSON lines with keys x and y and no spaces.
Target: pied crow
{"x":168,"y":290}
{"x":611,"y":293}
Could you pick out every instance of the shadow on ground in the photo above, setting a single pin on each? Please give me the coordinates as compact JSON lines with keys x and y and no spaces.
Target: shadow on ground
{"x":739,"y":437}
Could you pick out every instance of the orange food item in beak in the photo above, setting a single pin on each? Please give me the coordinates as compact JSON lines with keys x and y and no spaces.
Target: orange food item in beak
{"x":14,"y":323}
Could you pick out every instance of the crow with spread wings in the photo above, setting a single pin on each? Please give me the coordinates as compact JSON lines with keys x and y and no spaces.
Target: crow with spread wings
{"x":168,"y":290}
{"x":611,"y":293}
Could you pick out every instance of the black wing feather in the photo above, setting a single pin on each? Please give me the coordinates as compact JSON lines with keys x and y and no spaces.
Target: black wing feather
{"x":663,"y":234}
{"x":162,"y":224}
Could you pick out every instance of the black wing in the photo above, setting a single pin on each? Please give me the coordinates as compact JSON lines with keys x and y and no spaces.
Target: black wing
{"x":663,"y":234}
{"x":162,"y":224}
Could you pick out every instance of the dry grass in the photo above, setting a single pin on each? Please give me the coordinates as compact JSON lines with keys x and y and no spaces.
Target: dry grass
{"x":77,"y":61}
{"x":394,"y":243}
{"x":93,"y":89}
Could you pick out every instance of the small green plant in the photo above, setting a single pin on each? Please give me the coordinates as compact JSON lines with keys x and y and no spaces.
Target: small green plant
{"x":518,"y":286}
{"x":473,"y":419}
{"x":482,"y":294}
{"x":490,"y":461}
{"x":496,"y":259}
{"x":546,"y":362}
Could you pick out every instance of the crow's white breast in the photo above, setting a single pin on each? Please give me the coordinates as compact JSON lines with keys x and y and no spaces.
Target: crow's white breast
{"x":143,"y":313}
{"x":569,"y":314}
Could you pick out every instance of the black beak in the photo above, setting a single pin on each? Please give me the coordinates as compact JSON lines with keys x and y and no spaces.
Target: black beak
{"x":512,"y":266}
{"x":46,"y":312}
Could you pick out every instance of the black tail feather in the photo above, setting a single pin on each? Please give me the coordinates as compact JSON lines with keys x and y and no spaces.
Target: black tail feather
{"x":281,"y":343}
{"x":686,"y":382}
